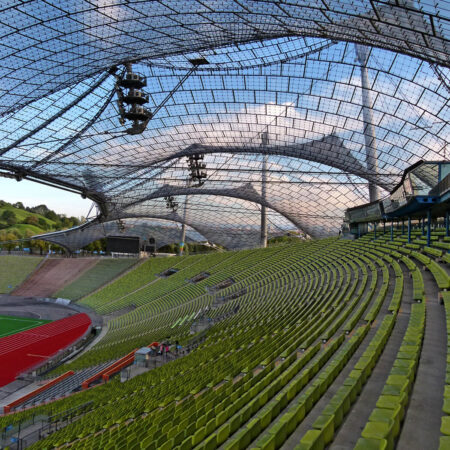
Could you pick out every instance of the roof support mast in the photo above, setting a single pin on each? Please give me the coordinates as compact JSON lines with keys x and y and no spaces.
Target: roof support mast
{"x":183,"y":227}
{"x":264,"y":144}
{"x":362,"y":53}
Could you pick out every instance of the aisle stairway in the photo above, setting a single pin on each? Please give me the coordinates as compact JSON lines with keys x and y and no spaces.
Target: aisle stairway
{"x":52,"y":275}
{"x":325,"y":329}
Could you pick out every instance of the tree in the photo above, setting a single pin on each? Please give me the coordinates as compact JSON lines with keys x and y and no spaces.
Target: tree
{"x":51,"y":215}
{"x":9,"y":217}
{"x":10,"y":245}
{"x":75,"y":221}
{"x":41,"y":245}
{"x":65,"y":222}
{"x":32,"y":220}
{"x":29,"y":243}
{"x":42,"y":223}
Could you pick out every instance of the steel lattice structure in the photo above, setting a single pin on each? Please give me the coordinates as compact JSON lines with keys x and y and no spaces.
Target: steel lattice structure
{"x":348,"y":94}
{"x":164,"y":232}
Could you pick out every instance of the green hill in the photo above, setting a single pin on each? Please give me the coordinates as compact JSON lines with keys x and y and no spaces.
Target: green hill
{"x":22,"y":229}
{"x":22,"y":215}
{"x":18,"y":221}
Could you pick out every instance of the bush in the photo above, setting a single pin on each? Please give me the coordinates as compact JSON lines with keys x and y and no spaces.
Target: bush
{"x":9,"y":217}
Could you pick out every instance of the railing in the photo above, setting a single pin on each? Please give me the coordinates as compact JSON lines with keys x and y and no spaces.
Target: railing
{"x":442,"y":187}
{"x":122,"y":363}
{"x":37,"y":391}
{"x":365,"y":213}
{"x":232,"y":296}
{"x":108,"y":370}
{"x":15,"y":430}
{"x":63,"y":418}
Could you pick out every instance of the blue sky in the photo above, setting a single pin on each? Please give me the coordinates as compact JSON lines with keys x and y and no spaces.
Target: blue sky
{"x":33,"y":194}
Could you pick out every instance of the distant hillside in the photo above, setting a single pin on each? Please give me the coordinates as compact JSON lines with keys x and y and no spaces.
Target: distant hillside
{"x":20,"y":222}
{"x":21,"y":216}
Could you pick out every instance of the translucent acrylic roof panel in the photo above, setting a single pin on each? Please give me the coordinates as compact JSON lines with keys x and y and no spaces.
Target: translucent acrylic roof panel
{"x":46,"y":46}
{"x":236,"y":227}
{"x":164,"y":232}
{"x":295,"y":81}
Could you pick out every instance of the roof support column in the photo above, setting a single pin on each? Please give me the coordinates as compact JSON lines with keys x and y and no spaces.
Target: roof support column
{"x":447,"y":225}
{"x":409,"y":229}
{"x":392,"y":230}
{"x":263,"y":239}
{"x":428,"y":227}
{"x":362,"y":54}
{"x":183,"y":227}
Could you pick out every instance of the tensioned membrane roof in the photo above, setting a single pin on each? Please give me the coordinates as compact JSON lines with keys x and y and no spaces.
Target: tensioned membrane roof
{"x":323,"y":81}
{"x":164,"y":232}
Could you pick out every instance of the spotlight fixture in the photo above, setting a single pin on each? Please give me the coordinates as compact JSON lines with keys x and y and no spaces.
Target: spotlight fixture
{"x":121,"y":225}
{"x":130,"y":102}
{"x":171,"y":203}
{"x":197,"y":169}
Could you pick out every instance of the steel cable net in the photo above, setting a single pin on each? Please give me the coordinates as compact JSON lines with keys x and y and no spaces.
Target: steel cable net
{"x":237,"y":229}
{"x":280,"y":92}
{"x":164,"y":232}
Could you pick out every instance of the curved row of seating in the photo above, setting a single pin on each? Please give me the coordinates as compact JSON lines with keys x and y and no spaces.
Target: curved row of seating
{"x":312,"y":314}
{"x":313,"y":286}
{"x":445,"y":420}
{"x":131,"y":281}
{"x":104,"y":271}
{"x":153,"y":321}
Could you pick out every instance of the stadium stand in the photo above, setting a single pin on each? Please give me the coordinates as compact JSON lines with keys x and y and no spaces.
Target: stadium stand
{"x":94,"y":278}
{"x":25,"y":350}
{"x":196,"y":126}
{"x":130,"y":282}
{"x":34,"y":394}
{"x":63,"y":386}
{"x":314,"y":322}
{"x":52,"y":275}
{"x":15,"y":269}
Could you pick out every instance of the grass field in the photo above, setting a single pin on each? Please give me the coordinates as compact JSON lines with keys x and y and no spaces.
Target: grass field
{"x":11,"y":325}
{"x":14,"y":270}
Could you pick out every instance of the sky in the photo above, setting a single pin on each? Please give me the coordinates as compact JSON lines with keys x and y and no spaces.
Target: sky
{"x":33,"y":194}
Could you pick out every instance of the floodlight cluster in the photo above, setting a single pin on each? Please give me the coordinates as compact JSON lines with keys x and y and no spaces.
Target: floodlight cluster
{"x":287,"y":87}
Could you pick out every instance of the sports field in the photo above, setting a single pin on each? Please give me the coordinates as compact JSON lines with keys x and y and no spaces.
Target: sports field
{"x":11,"y":325}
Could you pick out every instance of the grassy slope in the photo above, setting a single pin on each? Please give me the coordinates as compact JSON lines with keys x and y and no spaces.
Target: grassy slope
{"x":14,"y":270}
{"x":21,"y":215}
{"x":21,"y":228}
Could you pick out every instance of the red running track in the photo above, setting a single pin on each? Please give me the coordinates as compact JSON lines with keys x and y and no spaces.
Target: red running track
{"x":23,"y":351}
